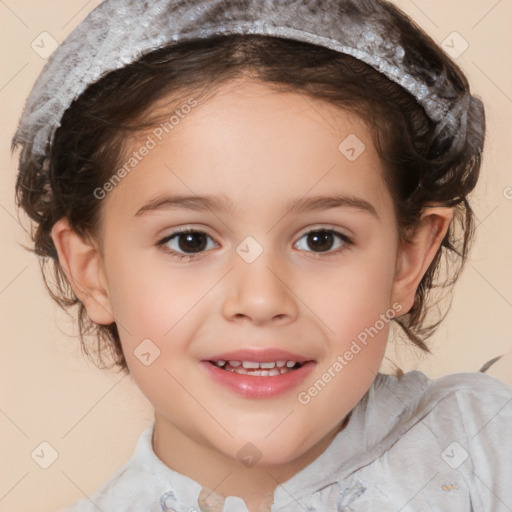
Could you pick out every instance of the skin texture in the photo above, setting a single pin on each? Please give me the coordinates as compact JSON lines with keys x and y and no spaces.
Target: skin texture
{"x":261,"y":149}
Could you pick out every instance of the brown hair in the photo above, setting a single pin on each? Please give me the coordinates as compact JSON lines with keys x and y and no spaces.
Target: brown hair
{"x":420,"y":168}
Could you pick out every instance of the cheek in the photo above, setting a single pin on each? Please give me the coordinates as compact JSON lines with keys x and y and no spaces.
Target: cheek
{"x":352,"y":296}
{"x":149,"y":297}
{"x":158,"y":310}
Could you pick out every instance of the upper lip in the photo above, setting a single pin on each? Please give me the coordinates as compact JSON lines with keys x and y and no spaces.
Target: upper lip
{"x":259,"y":355}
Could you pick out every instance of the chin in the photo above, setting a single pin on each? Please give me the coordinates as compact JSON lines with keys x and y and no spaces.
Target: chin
{"x":263,"y":451}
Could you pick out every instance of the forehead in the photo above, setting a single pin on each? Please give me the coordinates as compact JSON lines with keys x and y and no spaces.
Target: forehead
{"x":254,"y":144}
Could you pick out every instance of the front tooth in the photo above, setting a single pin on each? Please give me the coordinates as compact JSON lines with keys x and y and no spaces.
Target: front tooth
{"x":290,"y":364}
{"x":235,"y":363}
{"x":268,"y":365}
{"x":273,"y":372}
{"x":280,"y":364}
{"x":250,"y":364}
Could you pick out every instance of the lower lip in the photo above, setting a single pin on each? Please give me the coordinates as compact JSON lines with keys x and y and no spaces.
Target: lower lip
{"x":252,"y":386}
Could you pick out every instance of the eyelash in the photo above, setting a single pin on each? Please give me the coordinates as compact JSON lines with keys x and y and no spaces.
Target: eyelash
{"x":347,"y":242}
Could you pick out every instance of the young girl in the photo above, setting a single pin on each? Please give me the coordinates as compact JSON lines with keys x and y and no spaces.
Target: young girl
{"x":241,"y":198}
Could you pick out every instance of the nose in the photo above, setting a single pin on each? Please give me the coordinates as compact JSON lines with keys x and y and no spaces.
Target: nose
{"x":259,"y":292}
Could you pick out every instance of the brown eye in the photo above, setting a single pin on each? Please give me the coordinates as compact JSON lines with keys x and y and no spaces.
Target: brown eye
{"x":188,"y":242}
{"x":320,"y":240}
{"x":324,"y":240}
{"x":192,"y":242}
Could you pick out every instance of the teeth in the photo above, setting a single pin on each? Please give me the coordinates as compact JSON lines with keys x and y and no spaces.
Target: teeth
{"x":271,"y":373}
{"x":250,"y":364}
{"x":267,"y":368}
{"x":253,"y":365}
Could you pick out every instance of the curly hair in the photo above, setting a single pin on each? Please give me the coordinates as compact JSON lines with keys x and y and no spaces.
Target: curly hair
{"x":420,"y":168}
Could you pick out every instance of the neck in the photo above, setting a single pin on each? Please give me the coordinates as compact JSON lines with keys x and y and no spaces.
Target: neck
{"x":222,"y":475}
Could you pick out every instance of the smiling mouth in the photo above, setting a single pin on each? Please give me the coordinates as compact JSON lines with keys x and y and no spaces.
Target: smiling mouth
{"x":263,"y":369}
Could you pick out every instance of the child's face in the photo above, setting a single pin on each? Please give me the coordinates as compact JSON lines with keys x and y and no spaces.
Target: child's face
{"x":261,"y":151}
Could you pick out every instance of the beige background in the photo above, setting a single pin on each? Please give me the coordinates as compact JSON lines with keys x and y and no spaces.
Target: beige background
{"x":92,"y":418}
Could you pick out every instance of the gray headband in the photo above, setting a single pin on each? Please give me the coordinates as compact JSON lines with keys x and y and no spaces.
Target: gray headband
{"x":118,"y":32}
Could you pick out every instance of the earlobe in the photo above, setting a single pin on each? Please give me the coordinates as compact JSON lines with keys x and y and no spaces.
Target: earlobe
{"x":82,"y":263}
{"x":416,"y":256}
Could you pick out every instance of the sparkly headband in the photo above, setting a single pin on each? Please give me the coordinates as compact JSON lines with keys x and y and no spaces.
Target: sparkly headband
{"x":118,"y":32}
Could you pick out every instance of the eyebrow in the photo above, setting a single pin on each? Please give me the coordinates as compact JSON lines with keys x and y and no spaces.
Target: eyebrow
{"x":224,"y":204}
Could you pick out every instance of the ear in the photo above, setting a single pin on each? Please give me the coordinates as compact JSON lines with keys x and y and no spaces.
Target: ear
{"x":83,"y":265}
{"x":415,"y":256}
